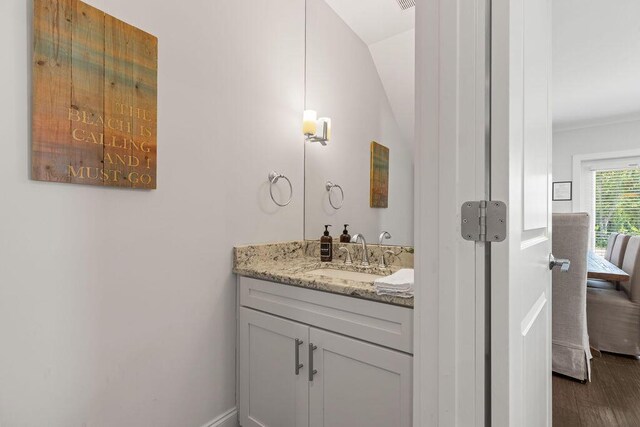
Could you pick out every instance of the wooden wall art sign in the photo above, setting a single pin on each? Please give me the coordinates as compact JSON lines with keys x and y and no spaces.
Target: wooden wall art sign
{"x":94,"y":102}
{"x":379,"y":197}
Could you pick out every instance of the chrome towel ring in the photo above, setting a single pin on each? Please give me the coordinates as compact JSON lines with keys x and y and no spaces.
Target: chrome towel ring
{"x":330,"y":186}
{"x":273,"y":179}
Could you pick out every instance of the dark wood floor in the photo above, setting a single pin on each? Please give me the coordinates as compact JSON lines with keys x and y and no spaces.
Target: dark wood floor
{"x":612,"y":398}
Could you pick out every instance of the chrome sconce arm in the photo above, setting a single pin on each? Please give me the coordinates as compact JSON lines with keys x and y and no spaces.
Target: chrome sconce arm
{"x":314,"y":129}
{"x":323,"y":137}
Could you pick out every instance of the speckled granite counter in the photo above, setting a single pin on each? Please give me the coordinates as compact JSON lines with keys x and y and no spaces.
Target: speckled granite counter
{"x":290,"y":262}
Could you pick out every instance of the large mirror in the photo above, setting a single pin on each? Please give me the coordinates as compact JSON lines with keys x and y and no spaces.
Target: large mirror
{"x":360,"y":74}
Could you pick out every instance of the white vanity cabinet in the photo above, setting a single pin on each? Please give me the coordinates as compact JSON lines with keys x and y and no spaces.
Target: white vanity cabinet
{"x":272,"y":393}
{"x":358,"y":384}
{"x":359,"y":350}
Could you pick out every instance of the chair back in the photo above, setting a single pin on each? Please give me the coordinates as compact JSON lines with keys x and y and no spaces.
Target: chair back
{"x":619,"y":249}
{"x":631,"y":266}
{"x":612,"y":240}
{"x":569,"y":292}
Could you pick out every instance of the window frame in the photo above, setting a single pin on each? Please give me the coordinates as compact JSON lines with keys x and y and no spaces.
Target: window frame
{"x":585,"y":193}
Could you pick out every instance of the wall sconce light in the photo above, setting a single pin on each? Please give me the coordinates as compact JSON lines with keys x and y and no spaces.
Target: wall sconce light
{"x":311,"y":125}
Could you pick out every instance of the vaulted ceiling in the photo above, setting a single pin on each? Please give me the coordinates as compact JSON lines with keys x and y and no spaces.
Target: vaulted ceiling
{"x":374,"y":20}
{"x":596,"y":57}
{"x":388,"y":30}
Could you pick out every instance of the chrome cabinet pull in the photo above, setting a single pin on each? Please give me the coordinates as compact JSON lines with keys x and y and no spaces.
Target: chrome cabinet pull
{"x":299,"y":365}
{"x":312,"y":371}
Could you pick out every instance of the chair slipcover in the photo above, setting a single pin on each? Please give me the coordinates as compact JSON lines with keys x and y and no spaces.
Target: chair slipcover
{"x":614,"y":316}
{"x":571,"y":354}
{"x":619,"y":249}
{"x":610,"y":242}
{"x":631,"y":266}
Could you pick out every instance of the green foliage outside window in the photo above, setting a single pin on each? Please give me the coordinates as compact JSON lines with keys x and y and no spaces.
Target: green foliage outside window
{"x":617,"y":204}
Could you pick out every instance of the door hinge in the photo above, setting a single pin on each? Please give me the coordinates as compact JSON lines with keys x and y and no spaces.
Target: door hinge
{"x":484,"y":221}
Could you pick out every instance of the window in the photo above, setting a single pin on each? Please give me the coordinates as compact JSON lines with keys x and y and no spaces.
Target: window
{"x":617,"y":204}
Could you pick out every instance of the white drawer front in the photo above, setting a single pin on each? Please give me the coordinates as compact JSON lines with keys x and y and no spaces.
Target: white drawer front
{"x":379,"y":323}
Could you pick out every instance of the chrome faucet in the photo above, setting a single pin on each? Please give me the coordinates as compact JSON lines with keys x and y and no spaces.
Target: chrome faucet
{"x":365,"y":252}
{"x":347,"y":259}
{"x":383,"y":235}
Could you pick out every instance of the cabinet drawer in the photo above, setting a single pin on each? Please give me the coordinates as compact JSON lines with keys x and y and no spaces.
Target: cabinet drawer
{"x":379,"y":323}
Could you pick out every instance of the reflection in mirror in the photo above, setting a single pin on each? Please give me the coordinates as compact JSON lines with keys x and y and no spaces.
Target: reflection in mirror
{"x":360,"y":74}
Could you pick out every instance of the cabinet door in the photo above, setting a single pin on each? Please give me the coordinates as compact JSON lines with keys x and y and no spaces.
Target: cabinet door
{"x":271,"y":393}
{"x":358,"y":384}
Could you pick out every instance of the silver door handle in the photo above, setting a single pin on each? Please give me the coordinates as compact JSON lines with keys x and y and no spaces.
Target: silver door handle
{"x":564,"y":264}
{"x":298,"y":364}
{"x":312,"y":371}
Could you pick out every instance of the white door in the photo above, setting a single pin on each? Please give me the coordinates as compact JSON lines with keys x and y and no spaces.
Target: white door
{"x":358,"y":384}
{"x":520,"y":176}
{"x":273,"y":393}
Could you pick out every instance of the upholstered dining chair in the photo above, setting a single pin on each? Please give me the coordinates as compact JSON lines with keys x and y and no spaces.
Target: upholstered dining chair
{"x":616,"y":248}
{"x":610,"y":242}
{"x":619,"y":249}
{"x":571,"y":355}
{"x":613,"y":316}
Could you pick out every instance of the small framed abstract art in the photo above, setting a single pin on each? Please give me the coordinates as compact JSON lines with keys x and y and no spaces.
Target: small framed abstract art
{"x":379,"y":195}
{"x":562,"y":191}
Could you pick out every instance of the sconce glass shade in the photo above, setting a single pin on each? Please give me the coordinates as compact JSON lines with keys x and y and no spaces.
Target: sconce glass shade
{"x":309,"y":122}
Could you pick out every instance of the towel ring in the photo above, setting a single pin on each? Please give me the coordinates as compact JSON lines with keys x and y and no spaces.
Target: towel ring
{"x":330,"y":186}
{"x":273,"y":179}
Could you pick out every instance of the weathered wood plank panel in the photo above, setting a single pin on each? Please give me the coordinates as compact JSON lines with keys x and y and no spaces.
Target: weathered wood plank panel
{"x":51,"y":89}
{"x":94,"y":98}
{"x":144,"y":118}
{"x":118,"y":72}
{"x":87,"y":96}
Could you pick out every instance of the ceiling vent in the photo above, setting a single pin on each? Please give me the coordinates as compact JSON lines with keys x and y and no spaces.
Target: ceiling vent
{"x":406,"y":4}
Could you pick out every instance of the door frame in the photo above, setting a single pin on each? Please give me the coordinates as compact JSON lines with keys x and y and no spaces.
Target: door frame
{"x":452,"y":165}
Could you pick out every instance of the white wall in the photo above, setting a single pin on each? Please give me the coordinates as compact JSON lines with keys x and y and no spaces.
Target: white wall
{"x":117,"y":308}
{"x":588,"y":140}
{"x":395,"y":61}
{"x":343,"y":83}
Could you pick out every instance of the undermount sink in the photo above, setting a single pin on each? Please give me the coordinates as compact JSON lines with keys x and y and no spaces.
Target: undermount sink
{"x":345,"y":275}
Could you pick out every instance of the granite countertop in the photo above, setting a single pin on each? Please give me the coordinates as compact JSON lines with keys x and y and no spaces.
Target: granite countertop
{"x":290,"y":262}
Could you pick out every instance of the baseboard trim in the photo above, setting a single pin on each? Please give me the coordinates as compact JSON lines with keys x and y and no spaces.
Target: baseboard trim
{"x":228,"y":419}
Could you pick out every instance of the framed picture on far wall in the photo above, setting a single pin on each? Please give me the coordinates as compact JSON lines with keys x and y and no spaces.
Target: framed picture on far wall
{"x":379,"y":193}
{"x":562,"y":191}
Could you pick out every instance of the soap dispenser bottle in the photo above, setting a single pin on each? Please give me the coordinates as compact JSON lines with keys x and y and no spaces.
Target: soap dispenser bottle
{"x":326,"y":246}
{"x":345,"y":237}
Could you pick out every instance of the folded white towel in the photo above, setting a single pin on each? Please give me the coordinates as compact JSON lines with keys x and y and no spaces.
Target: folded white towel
{"x":400,"y":278}
{"x":400,"y":284}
